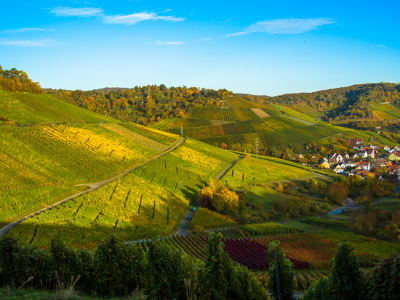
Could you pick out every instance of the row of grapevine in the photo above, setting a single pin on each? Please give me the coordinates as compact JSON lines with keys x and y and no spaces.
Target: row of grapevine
{"x":208,"y":219}
{"x":327,"y":222}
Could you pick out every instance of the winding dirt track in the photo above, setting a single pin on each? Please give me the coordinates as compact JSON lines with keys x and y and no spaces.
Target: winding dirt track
{"x":93,"y":186}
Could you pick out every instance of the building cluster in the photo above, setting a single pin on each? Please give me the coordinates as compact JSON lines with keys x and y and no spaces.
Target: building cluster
{"x":363,"y":161}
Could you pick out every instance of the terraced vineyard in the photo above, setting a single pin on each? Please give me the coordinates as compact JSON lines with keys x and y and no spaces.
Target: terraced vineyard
{"x":23,"y":108}
{"x":385,"y":111}
{"x":134,"y":205}
{"x":213,"y":113}
{"x":250,"y":170}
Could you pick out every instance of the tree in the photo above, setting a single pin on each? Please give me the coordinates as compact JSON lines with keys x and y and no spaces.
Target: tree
{"x":346,"y":280}
{"x":280,"y":271}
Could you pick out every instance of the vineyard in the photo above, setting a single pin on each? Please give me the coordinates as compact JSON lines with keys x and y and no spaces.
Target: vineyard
{"x":254,"y":171}
{"x":134,"y":205}
{"x":328,"y":223}
{"x":40,"y":164}
{"x":248,"y":245}
{"x":208,"y":219}
{"x":24,"y":108}
{"x":213,"y":113}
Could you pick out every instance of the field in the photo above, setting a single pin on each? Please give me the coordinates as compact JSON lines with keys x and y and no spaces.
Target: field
{"x":253,"y":171}
{"x":306,"y":109}
{"x":388,"y":205}
{"x":385,"y":111}
{"x":134,"y":205}
{"x":39,"y":165}
{"x":260,"y":113}
{"x":23,"y":108}
{"x":213,"y":113}
{"x":265,"y":195}
{"x":208,"y":219}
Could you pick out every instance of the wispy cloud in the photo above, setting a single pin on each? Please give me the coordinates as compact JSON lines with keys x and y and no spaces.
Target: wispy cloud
{"x":138,"y":17}
{"x":76,"y":12}
{"x":19,"y":30}
{"x":168,"y":43}
{"x":285,"y":26}
{"x":30,"y":43}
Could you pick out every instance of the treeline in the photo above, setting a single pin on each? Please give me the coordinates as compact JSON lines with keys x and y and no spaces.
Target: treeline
{"x":340,"y":103}
{"x":14,"y":80}
{"x":143,"y":105}
{"x":115,"y":269}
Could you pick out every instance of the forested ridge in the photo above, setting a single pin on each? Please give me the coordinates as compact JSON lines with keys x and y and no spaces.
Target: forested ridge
{"x":340,"y":103}
{"x":143,"y":105}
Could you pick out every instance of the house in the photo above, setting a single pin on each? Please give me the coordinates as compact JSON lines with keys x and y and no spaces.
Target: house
{"x":378,"y":176}
{"x":355,"y":142}
{"x":380,"y":163}
{"x":350,"y":163}
{"x":387,"y":148}
{"x":369,"y":153}
{"x":325,"y":165}
{"x":393,"y":150}
{"x":338,"y":169}
{"x":363,"y":165}
{"x":298,"y":156}
{"x":393,"y":170}
{"x":394,"y":156}
{"x":363,"y":174}
{"x":335,"y":158}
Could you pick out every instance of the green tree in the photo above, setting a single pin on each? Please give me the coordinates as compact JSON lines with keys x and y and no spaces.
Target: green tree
{"x":280,"y":271}
{"x":346,"y":279}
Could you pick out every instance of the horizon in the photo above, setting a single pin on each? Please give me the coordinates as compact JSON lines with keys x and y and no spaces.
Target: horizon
{"x":260,"y":49}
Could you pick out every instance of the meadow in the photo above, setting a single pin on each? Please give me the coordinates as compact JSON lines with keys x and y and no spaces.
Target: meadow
{"x":254,"y":171}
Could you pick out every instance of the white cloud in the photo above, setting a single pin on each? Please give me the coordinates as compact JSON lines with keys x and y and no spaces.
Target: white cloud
{"x":138,"y":17}
{"x":30,"y":43}
{"x":25,"y":30}
{"x":239,"y":33}
{"x":285,"y":26}
{"x":76,"y":12}
{"x":168,"y":43}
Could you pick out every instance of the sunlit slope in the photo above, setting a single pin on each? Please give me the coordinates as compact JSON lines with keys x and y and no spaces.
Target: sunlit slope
{"x":254,"y":171}
{"x":277,"y":128}
{"x":145,"y":202}
{"x":38,"y":160}
{"x":24,"y":108}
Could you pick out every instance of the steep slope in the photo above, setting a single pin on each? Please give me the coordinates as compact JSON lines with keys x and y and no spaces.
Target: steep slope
{"x":24,"y":108}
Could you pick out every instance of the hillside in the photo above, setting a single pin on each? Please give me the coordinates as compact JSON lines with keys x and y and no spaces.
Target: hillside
{"x":242,"y":122}
{"x":24,"y":108}
{"x":347,"y":103}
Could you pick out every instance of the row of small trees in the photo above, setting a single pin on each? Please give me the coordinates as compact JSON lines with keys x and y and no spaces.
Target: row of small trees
{"x":346,"y":279}
{"x":117,"y":269}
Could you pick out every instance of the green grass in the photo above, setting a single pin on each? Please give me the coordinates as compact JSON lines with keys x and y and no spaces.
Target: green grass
{"x":264,"y":195}
{"x":385,"y":111}
{"x":298,"y":225}
{"x":164,"y":125}
{"x":253,"y":171}
{"x":342,"y":216}
{"x":163,"y":185}
{"x":389,"y":205}
{"x":24,"y":108}
{"x":306,"y":109}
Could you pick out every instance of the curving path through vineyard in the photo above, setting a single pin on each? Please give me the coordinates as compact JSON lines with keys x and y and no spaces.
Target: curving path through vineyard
{"x":93,"y":186}
{"x":182,"y":228}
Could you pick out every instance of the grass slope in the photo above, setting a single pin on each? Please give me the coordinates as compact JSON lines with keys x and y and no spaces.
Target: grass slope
{"x":162,"y":189}
{"x":23,"y":108}
{"x":40,"y":164}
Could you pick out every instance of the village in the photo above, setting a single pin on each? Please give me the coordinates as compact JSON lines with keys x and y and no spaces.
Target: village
{"x":367,"y":161}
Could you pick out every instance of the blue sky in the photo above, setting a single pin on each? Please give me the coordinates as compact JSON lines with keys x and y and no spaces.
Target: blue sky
{"x":258,"y":47}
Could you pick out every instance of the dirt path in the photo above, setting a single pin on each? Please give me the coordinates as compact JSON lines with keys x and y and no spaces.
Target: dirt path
{"x":182,"y":228}
{"x":93,"y":186}
{"x":227,"y":169}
